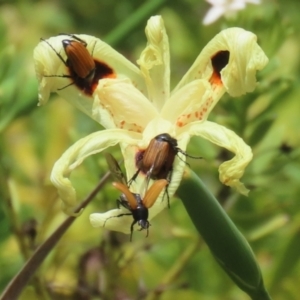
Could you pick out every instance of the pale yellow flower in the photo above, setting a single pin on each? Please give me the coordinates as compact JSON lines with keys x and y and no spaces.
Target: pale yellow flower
{"x":135,"y":105}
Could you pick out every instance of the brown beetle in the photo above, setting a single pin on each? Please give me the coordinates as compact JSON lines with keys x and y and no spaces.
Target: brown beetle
{"x":137,"y":206}
{"x":79,"y":59}
{"x":84,"y":70}
{"x":158,"y":158}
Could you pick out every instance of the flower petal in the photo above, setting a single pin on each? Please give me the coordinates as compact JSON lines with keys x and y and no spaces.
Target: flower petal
{"x":73,"y":157}
{"x":194,"y":102}
{"x":113,"y":220}
{"x":213,"y":14}
{"x":47,"y":62}
{"x":238,"y":74}
{"x":155,"y":62}
{"x":230,"y":171}
{"x":118,"y":104}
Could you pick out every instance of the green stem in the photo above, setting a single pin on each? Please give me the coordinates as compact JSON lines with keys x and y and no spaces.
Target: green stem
{"x":136,"y":19}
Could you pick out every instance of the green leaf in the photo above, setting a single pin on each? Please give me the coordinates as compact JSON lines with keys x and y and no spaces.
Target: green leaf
{"x":227,"y":244}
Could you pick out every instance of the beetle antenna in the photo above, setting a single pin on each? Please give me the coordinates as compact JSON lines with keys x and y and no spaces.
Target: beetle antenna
{"x":65,"y":76}
{"x":58,"y":54}
{"x":182,"y":159}
{"x":92,"y":52}
{"x":187,"y":155}
{"x":133,"y":178}
{"x":65,"y":63}
{"x":75,"y":38}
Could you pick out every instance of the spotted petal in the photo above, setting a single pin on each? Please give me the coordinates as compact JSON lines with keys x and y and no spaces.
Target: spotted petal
{"x":118,"y":104}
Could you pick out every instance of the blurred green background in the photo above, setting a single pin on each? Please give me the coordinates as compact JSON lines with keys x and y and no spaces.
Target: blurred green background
{"x":171,"y":263}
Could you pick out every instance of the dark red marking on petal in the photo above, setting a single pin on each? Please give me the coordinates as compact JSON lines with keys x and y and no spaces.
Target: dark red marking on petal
{"x":102,"y":71}
{"x":139,"y":156}
{"x":84,"y":71}
{"x":219,"y":61}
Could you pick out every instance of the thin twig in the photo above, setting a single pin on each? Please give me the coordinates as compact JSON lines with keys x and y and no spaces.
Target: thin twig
{"x":17,"y":284}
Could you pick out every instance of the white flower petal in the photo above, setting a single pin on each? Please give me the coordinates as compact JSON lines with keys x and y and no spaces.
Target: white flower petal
{"x":254,"y":1}
{"x":155,"y":62}
{"x":230,"y":171}
{"x":213,"y":14}
{"x":224,"y":7}
{"x":238,"y":75}
{"x":233,"y":6}
{"x":217,"y":2}
{"x":73,"y":157}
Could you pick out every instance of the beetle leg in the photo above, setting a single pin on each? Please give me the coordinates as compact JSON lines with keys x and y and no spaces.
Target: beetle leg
{"x":148,"y":231}
{"x":187,"y":155}
{"x":131,"y":229}
{"x":133,"y":178}
{"x":166,"y":192}
{"x":119,"y":203}
{"x":65,"y":85}
{"x":118,"y":216}
{"x":58,"y":54}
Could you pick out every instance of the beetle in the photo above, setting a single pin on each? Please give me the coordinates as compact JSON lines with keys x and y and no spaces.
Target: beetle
{"x":138,"y":206}
{"x":84,"y":70}
{"x":156,"y":161}
{"x":79,"y":59}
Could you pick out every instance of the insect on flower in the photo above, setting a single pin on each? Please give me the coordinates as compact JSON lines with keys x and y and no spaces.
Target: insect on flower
{"x":158,"y":158}
{"x":84,"y":70}
{"x":137,"y":206}
{"x":227,"y":64}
